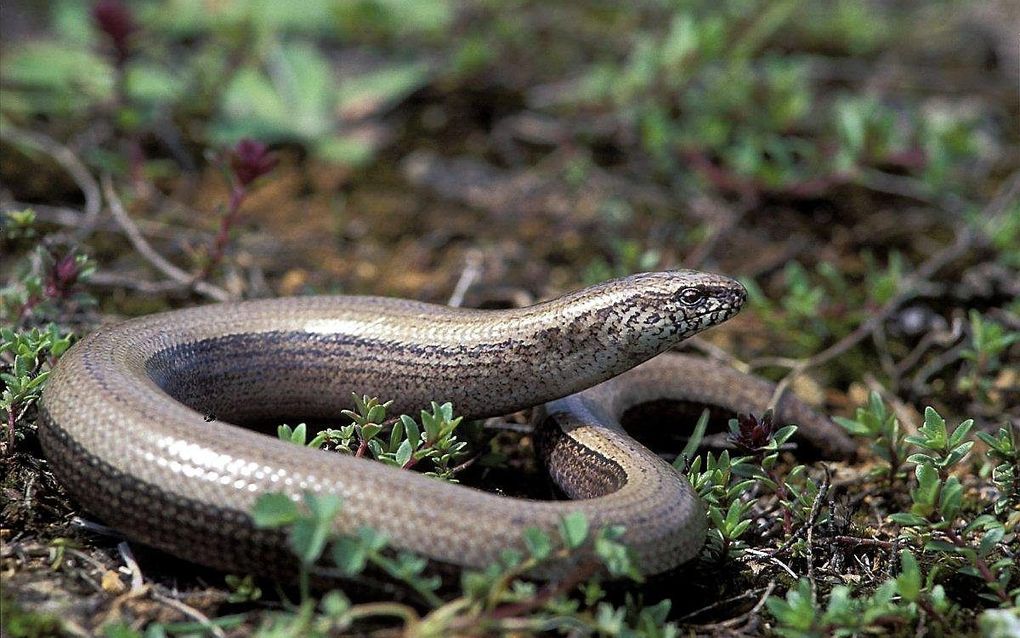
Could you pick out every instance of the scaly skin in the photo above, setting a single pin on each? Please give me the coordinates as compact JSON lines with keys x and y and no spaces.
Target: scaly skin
{"x":125,"y":418}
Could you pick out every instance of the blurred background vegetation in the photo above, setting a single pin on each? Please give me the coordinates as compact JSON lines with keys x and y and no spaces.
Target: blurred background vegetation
{"x":850,"y":161}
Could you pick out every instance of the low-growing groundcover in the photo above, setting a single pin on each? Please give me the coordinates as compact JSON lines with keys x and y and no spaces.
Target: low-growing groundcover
{"x":854,"y":164}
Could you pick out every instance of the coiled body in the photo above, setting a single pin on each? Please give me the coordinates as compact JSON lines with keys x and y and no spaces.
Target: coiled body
{"x":138,"y":419}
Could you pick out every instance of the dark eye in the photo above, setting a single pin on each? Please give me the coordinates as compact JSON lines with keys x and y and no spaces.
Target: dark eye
{"x":691,"y":296}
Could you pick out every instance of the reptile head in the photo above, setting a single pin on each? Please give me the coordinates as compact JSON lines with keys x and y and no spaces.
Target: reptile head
{"x":601,"y":331}
{"x":657,"y":310}
{"x":695,"y":300}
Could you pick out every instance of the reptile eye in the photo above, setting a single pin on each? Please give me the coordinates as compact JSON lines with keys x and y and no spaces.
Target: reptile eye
{"x":691,"y":296}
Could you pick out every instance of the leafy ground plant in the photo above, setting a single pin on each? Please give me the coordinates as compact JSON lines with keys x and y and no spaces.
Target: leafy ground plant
{"x":854,"y":163}
{"x":495,"y":600}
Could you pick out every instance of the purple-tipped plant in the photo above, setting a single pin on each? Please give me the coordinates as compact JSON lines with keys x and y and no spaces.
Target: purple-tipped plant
{"x":62,"y":277}
{"x":115,"y":20}
{"x":753,"y":433}
{"x":246,"y":162}
{"x":250,"y":160}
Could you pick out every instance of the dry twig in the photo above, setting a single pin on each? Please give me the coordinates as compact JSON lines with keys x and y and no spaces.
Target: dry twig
{"x":184,"y":279}
{"x":66,"y":158}
{"x":964,"y":241}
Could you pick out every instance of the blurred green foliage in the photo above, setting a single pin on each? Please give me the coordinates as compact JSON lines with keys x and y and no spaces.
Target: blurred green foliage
{"x":817,"y":306}
{"x":226,"y":71}
{"x":716,"y":85}
{"x":749,"y":93}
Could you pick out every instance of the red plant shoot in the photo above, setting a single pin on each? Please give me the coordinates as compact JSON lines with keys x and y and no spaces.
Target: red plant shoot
{"x":115,"y":19}
{"x":248,"y":161}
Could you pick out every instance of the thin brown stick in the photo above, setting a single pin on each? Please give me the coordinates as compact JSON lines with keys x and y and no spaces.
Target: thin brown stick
{"x":911,"y":283}
{"x":863,"y":542}
{"x":66,"y":158}
{"x":965,"y":239}
{"x":107,"y":279}
{"x":137,"y":579}
{"x":746,"y":616}
{"x":189,"y":611}
{"x":472,"y":270}
{"x":184,"y":279}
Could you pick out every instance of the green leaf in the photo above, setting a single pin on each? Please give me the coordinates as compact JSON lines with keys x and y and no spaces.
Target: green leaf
{"x":734,"y":514}
{"x":936,"y":545}
{"x":950,"y":498}
{"x":784,"y":433}
{"x":991,"y":540}
{"x":369,"y":430}
{"x":574,"y":529}
{"x":960,"y":432}
{"x":350,"y":555}
{"x":538,"y":543}
{"x":153,"y":84}
{"x":404,"y":452}
{"x":922,"y":459}
{"x":368,"y":93}
{"x":55,"y":78}
{"x":957,"y":454}
{"x":308,"y":538}
{"x":376,"y":414}
{"x":38,"y":380}
{"x":413,"y":432}
{"x":908,"y":520}
{"x":797,"y":612}
{"x":324,"y":507}
{"x":309,"y":534}
{"x":615,"y":555}
{"x":510,"y":558}
{"x":334,"y":603}
{"x":853,"y":427}
{"x":396,"y":435}
{"x":292,"y":99}
{"x":344,"y":150}
{"x":431,"y":425}
{"x":739,"y":529}
{"x":909,"y":581}
{"x":927,"y":485}
{"x":935,"y":429}
{"x":274,"y":510}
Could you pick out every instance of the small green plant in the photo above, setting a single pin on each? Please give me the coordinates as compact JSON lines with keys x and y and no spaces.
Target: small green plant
{"x":368,"y":417}
{"x":818,"y":305}
{"x":763,"y":439}
{"x":898,"y":601}
{"x":407,"y":445}
{"x":242,"y":589}
{"x":17,"y":224}
{"x":46,"y":286}
{"x":26,"y":358}
{"x":989,"y":342}
{"x":496,"y":599}
{"x":943,"y":449}
{"x":721,"y":486}
{"x":1004,"y":457}
{"x":19,"y":622}
{"x":686,"y":78}
{"x":936,"y":513}
{"x":298,"y":435}
{"x":878,"y":424}
{"x":239,"y":74}
{"x":121,"y":629}
{"x":1003,"y":232}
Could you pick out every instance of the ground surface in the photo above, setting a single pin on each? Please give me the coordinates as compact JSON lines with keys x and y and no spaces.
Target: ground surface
{"x":858,"y":170}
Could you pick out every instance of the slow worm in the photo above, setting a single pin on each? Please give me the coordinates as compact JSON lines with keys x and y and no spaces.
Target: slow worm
{"x":125,"y":417}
